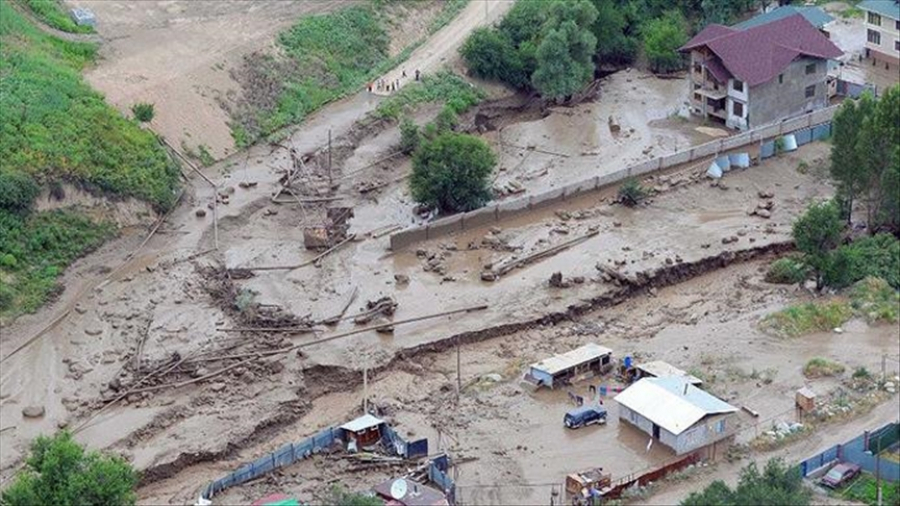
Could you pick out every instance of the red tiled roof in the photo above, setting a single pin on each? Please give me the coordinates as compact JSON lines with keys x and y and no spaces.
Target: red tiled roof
{"x":720,"y":73}
{"x":758,"y":54}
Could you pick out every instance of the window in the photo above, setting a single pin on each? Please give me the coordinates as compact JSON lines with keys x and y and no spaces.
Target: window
{"x":811,"y":69}
{"x":897,"y":45}
{"x":738,"y":109}
{"x":874,"y":19}
{"x":897,"y":25}
{"x":737,"y":85}
{"x":780,"y":78}
{"x":697,"y":67}
{"x":697,"y":97}
{"x":874,"y":37}
{"x":634,"y":418}
{"x":720,"y":426}
{"x":811,"y":91}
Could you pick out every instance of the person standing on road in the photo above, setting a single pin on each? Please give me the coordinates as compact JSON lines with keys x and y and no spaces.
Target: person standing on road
{"x":417,"y":74}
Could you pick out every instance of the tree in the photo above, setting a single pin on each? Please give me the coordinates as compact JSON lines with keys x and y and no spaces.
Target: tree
{"x":565,"y":55}
{"x":662,"y":37}
{"x":816,"y":233}
{"x":60,"y":472}
{"x":340,"y":495}
{"x":409,"y":136}
{"x":631,"y":193}
{"x":490,"y":54}
{"x":865,"y":158}
{"x":452,"y":172}
{"x":143,"y":112}
{"x":778,"y":484}
{"x":613,"y":45}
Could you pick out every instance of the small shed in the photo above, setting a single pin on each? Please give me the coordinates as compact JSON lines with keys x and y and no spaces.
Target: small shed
{"x":362,"y":432}
{"x":805,"y":400}
{"x":581,"y":484}
{"x":83,"y":17}
{"x":406,"y":492}
{"x":581,"y":363}
{"x":660,"y":369}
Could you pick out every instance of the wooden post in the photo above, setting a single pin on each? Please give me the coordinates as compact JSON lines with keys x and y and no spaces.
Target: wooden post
{"x":365,"y":389}
{"x":458,"y":376}
{"x":330,"y":179}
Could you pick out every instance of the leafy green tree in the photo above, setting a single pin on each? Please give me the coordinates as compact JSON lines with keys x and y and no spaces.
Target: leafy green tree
{"x":17,"y":190}
{"x":60,"y":472}
{"x":778,"y":483}
{"x":816,"y":234}
{"x":409,"y":136}
{"x":613,"y":45}
{"x":490,"y":54}
{"x":452,"y":172}
{"x":565,"y":55}
{"x":662,"y":37}
{"x":340,"y":495}
{"x":845,"y":128}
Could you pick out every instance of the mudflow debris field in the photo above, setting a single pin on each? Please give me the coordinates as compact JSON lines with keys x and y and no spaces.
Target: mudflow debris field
{"x":222,"y":338}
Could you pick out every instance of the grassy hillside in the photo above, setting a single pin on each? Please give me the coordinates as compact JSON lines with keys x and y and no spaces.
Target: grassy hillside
{"x":54,"y":14}
{"x":53,"y":128}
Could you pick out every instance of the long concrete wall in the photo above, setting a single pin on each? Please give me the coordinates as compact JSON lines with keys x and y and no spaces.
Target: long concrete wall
{"x":503,"y":210}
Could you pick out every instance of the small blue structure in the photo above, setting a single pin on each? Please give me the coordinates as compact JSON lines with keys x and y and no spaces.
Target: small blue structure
{"x":84,"y":17}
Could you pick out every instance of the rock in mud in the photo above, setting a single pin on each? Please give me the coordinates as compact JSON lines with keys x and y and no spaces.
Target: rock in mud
{"x":763,"y":213}
{"x":217,"y":387}
{"x":401,"y":279}
{"x":33,"y":411}
{"x":200,"y":213}
{"x":93,"y":331}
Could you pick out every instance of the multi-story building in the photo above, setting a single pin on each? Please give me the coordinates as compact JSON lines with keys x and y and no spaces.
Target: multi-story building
{"x":757,"y":76}
{"x":882,"y":22}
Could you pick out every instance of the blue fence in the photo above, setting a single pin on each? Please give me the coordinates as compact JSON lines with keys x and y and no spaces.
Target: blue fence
{"x":437,"y":474}
{"x":861,"y":452}
{"x":293,"y":452}
{"x":803,"y":136}
{"x":286,"y":455}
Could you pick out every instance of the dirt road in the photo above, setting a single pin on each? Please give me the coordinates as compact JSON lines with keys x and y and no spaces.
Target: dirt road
{"x":441,"y":49}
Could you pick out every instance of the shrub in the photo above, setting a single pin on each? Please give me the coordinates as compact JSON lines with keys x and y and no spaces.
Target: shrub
{"x":662,"y":37}
{"x":53,"y":13}
{"x":861,"y":372}
{"x":17,"y":190}
{"x":876,"y":256}
{"x":816,"y":234}
{"x":819,"y":367}
{"x":452,"y":172}
{"x":446,"y":120}
{"x":443,"y":86}
{"x":787,"y":271}
{"x":778,"y":483}
{"x":632,"y":192}
{"x":143,"y":112}
{"x":59,"y":471}
{"x":409,"y":136}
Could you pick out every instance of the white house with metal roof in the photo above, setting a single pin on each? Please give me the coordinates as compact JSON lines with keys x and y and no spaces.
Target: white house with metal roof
{"x":676,"y":413}
{"x":580,"y":363}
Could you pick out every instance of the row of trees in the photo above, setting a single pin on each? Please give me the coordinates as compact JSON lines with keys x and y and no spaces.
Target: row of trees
{"x":865,"y":159}
{"x":778,"y":483}
{"x":554,"y":46}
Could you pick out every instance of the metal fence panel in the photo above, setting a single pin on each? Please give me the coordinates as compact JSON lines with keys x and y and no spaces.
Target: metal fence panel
{"x":417,"y":448}
{"x":767,"y":150}
{"x":821,"y":131}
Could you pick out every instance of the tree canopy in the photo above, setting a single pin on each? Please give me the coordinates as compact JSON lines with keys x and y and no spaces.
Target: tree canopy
{"x":778,"y":483}
{"x":60,"y":472}
{"x":452,"y":172}
{"x":865,"y":158}
{"x":662,"y":37}
{"x":816,"y":234}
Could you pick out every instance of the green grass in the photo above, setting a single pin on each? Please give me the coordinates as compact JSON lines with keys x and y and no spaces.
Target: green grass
{"x":808,"y":317}
{"x":864,"y":490}
{"x":818,"y":367}
{"x":851,"y":12}
{"x":34,"y":251}
{"x":443,"y":87}
{"x":55,"y":127}
{"x":54,"y":14}
{"x":876,"y":300}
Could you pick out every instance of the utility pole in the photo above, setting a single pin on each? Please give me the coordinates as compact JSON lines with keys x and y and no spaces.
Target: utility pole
{"x":878,"y":464}
{"x":365,"y":390}
{"x":458,"y":375}
{"x":330,"y":179}
{"x":883,"y":367}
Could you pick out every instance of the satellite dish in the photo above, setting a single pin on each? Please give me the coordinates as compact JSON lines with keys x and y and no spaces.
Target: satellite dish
{"x":398,"y":489}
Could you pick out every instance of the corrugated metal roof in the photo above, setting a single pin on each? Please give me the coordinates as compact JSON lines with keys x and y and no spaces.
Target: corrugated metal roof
{"x":364,"y":422}
{"x":672,"y":403}
{"x":662,"y":369}
{"x":887,"y":8}
{"x":816,"y":17}
{"x":572,"y":358}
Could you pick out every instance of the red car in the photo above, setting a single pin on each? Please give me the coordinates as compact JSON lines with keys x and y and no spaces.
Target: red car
{"x":839,"y":475}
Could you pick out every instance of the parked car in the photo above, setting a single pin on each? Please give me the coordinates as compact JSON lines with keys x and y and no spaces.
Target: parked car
{"x":839,"y":475}
{"x":585,"y":415}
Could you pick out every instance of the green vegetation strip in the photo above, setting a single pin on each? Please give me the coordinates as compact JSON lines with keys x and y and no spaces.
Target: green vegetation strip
{"x":871,"y":298}
{"x":55,"y":128}
{"x":34,"y":251}
{"x":54,"y":14}
{"x":443,"y":87}
{"x":864,"y":490}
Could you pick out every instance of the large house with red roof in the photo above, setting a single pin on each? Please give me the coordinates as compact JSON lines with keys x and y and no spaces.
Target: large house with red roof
{"x":759,"y":75}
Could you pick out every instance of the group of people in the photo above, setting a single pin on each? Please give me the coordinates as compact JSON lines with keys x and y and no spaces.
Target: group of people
{"x":390,"y":86}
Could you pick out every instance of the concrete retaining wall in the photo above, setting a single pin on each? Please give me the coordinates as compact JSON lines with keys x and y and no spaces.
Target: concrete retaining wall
{"x":804,"y":127}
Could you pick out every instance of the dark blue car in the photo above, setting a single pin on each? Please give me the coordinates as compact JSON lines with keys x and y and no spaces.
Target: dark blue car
{"x":585,"y":415}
